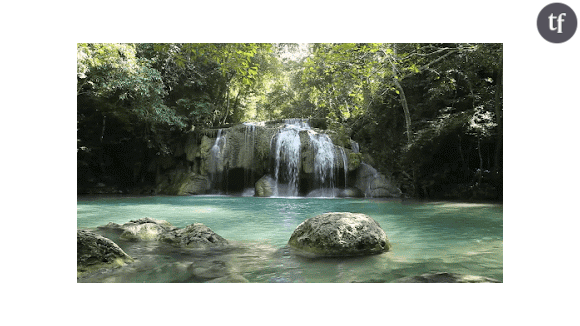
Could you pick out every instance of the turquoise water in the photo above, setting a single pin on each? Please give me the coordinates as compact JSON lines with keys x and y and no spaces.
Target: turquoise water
{"x":425,"y":236}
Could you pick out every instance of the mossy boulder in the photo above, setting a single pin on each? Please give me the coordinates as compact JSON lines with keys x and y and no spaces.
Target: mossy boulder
{"x":145,"y":229}
{"x":354,"y":160}
{"x":195,"y":235}
{"x":339,"y":234}
{"x":96,"y":252}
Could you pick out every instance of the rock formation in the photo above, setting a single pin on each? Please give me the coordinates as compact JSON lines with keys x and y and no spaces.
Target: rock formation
{"x":142,"y":229}
{"x":298,"y":156}
{"x":95,"y":252}
{"x":195,"y":235}
{"x":339,"y":234}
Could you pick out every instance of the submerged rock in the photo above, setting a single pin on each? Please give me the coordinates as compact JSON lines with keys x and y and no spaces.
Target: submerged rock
{"x":231,"y":278}
{"x":339,"y":234}
{"x":195,"y":235}
{"x":95,"y":252}
{"x":145,"y":229}
{"x":444,"y":277}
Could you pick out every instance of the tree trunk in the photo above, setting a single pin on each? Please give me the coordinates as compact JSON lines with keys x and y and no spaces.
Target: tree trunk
{"x":401,"y":95}
{"x":499,"y":116}
{"x":103,"y":129}
{"x":102,"y":153}
{"x":405,"y":109}
{"x":480,"y":170}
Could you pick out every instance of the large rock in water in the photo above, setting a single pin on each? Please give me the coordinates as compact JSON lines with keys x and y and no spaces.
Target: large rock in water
{"x":195,"y":235}
{"x":339,"y":234}
{"x":146,"y":228}
{"x":95,"y":252}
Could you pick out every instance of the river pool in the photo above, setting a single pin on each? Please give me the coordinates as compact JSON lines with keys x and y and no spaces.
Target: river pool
{"x":465,"y":238}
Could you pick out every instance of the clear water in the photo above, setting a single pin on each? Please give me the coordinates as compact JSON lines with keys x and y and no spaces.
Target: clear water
{"x":425,"y":237}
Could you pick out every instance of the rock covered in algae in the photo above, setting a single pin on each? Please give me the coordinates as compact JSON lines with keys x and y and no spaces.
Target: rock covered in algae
{"x":195,"y":235}
{"x":339,"y":234}
{"x":145,"y":229}
{"x":95,"y":252}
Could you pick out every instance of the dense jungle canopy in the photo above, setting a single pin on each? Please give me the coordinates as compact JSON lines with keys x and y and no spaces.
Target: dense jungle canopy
{"x":430,"y":115}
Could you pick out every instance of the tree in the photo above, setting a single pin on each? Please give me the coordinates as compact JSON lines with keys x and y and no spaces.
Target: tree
{"x":420,"y":111}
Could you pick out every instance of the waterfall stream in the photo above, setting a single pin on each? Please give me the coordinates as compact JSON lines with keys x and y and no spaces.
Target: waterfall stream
{"x":249,"y":146}
{"x":324,"y":163}
{"x":345,"y":166}
{"x":215,"y":166}
{"x":287,"y":158}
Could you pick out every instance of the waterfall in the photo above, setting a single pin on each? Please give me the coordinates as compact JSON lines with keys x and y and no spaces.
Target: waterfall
{"x":345,"y":166}
{"x":302,"y":160}
{"x":324,"y":163}
{"x":249,"y":146}
{"x":287,"y":160}
{"x":287,"y":157}
{"x":215,"y":159}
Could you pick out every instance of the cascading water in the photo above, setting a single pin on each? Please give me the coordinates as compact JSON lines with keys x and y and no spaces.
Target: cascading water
{"x":303,"y":161}
{"x":215,"y":166}
{"x":324,"y":163}
{"x":249,"y":146}
{"x":287,"y":157}
{"x":345,"y":166}
{"x":287,"y":160}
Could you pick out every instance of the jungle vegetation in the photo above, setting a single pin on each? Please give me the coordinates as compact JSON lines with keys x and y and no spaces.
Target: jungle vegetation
{"x":430,"y":114}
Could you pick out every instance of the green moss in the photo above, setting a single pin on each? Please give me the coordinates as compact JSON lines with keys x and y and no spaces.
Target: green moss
{"x":339,"y":134}
{"x":115,"y":263}
{"x":354,"y":160}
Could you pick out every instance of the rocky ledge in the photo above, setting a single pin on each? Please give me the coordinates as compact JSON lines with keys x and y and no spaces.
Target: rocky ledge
{"x":339,"y":234}
{"x":195,"y":235}
{"x":142,"y":229}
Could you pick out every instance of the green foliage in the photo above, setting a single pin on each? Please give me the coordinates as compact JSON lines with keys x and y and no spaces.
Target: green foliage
{"x":406,"y":104}
{"x":338,"y":78}
{"x":126,"y":85}
{"x":354,"y":160}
